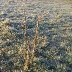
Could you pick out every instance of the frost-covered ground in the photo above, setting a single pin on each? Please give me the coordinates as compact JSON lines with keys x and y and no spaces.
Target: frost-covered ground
{"x":55,"y":24}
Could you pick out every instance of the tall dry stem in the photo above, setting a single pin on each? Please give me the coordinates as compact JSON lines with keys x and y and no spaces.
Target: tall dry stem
{"x":36,"y":35}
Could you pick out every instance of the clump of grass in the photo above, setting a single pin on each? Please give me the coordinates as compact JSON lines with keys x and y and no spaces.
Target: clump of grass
{"x":28,"y":50}
{"x":4,"y":27}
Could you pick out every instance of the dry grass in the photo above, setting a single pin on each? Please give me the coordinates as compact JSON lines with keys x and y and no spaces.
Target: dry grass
{"x":27,"y":50}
